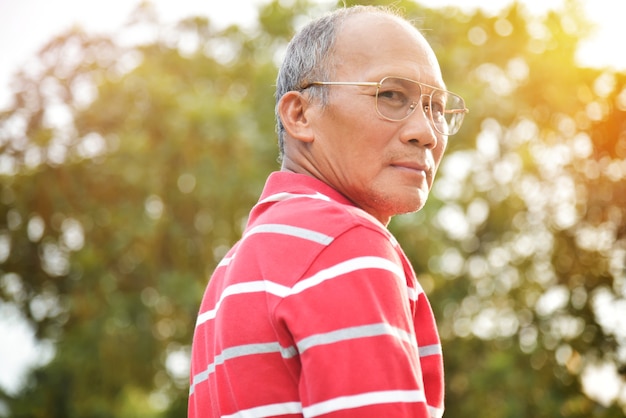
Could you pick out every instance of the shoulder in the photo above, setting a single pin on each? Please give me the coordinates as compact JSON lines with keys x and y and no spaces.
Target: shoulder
{"x":323,"y":215}
{"x":293,"y":235}
{"x":307,"y":202}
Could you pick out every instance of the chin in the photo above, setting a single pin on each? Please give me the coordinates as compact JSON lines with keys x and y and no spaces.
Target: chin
{"x":407,"y":207}
{"x":416,"y":201}
{"x":399,"y":203}
{"x":412,"y":209}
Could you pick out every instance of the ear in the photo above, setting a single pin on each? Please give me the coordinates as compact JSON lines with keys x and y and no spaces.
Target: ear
{"x":293,"y":109}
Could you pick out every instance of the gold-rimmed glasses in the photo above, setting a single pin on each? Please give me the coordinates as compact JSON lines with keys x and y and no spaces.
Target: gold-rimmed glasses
{"x":398,"y":97}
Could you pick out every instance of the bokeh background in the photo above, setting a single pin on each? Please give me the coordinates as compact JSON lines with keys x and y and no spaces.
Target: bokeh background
{"x":129,"y":161}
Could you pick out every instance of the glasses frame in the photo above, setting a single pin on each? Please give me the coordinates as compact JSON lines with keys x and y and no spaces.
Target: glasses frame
{"x":413,"y":105}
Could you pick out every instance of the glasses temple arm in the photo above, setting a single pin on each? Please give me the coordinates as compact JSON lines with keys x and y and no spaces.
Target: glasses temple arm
{"x":466,"y":110}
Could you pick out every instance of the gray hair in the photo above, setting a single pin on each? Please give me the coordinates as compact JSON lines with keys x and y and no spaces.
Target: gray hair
{"x":309,"y":57}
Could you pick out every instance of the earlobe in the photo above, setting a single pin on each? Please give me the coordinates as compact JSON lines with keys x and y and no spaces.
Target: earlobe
{"x":293,"y":109}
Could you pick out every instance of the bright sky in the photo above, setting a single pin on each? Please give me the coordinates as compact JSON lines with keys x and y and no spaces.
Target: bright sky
{"x":26,"y":25}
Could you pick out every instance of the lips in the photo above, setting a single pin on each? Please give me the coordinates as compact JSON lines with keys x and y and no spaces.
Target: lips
{"x":414,"y":166}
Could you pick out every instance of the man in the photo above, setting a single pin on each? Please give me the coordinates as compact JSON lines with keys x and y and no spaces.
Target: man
{"x":316,"y":310}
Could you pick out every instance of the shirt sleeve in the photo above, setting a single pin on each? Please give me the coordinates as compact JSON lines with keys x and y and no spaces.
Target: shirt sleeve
{"x":351,"y":320}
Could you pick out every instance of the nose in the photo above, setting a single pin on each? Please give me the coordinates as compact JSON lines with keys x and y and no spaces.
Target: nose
{"x":418,"y":129}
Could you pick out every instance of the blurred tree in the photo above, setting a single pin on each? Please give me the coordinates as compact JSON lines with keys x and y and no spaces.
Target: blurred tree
{"x":526,"y":245}
{"x":126,"y":172}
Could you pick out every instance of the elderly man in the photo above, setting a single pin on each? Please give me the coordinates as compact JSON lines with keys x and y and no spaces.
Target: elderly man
{"x":316,"y":311}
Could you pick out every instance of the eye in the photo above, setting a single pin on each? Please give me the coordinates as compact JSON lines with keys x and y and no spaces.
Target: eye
{"x":393,"y":97}
{"x":436,"y":108}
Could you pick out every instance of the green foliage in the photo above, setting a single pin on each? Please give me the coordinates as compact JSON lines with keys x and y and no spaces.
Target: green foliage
{"x":126,"y":172}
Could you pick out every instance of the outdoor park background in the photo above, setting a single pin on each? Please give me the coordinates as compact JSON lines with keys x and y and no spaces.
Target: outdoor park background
{"x":128,"y":165}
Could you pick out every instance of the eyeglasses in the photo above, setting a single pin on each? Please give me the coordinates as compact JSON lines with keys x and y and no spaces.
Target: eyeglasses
{"x":398,"y":97}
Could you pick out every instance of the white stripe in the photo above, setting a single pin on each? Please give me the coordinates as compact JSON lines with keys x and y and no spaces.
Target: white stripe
{"x":364,"y":399}
{"x":413,"y":293}
{"x":241,"y":351}
{"x":280,"y":197}
{"x":239,"y":289}
{"x":290,"y":230}
{"x":353,"y":333}
{"x":435,"y":412}
{"x":279,"y":290}
{"x":359,"y":263}
{"x":393,"y":240}
{"x":268,"y":410}
{"x":225,"y":261}
{"x":430,"y":350}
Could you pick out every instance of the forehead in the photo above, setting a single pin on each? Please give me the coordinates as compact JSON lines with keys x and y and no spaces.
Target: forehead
{"x":377,"y":45}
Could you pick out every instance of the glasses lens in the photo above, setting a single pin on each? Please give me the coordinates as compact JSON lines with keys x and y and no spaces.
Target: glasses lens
{"x":397,"y":98}
{"x":447,"y":111}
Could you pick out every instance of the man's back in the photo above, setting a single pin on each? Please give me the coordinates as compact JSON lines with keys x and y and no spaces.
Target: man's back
{"x":297,"y":310}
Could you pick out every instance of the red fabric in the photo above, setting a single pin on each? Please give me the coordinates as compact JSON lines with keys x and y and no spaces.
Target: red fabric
{"x":315,"y":311}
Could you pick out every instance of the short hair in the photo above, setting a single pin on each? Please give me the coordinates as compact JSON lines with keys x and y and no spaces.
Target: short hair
{"x":309,"y":57}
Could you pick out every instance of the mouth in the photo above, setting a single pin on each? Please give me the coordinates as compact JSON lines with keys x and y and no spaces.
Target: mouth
{"x":415,"y":167}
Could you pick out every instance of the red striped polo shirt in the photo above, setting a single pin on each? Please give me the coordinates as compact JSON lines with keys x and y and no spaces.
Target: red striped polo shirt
{"x":316,"y":311}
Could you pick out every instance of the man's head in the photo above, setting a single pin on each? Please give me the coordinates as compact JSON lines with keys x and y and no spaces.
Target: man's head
{"x":341,"y":133}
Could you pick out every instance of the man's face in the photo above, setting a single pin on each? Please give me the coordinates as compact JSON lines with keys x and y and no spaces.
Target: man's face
{"x":384,"y":167}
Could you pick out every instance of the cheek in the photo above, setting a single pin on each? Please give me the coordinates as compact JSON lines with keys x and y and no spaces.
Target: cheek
{"x":362,"y":144}
{"x":439,"y":151}
{"x":356,"y":139}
